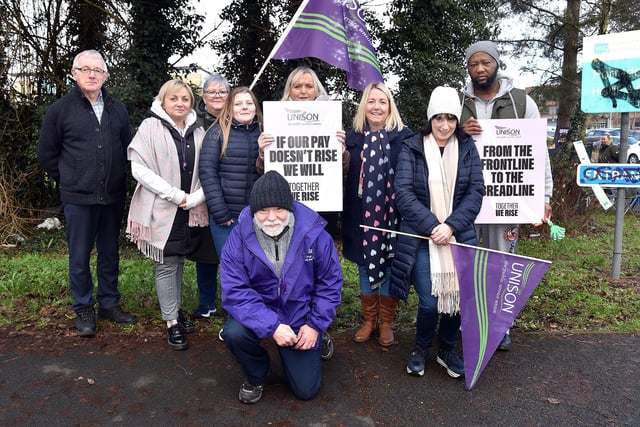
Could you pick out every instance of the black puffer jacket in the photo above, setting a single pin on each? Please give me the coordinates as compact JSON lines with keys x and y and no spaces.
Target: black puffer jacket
{"x":413,"y":203}
{"x":227,"y":180}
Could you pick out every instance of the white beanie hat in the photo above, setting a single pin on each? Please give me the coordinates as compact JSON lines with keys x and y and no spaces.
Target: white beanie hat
{"x":485,"y":46}
{"x":444,"y":100}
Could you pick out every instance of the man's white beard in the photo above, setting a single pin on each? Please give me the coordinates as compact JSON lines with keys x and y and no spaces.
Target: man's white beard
{"x":274,"y":228}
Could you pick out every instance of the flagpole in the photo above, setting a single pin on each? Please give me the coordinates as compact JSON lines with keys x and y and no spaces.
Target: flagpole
{"x":280,"y":41}
{"x":453,"y":243}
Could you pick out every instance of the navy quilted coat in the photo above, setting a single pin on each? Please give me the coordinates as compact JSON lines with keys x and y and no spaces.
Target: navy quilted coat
{"x":227,"y":180}
{"x":412,"y":201}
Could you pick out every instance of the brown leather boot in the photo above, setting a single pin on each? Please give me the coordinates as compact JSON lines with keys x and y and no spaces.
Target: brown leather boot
{"x":388,"y":306}
{"x":370,"y":305}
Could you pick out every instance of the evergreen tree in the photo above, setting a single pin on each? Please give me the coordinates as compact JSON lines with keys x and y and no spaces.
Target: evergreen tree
{"x":160,"y":29}
{"x":89,"y":23}
{"x":255,"y":27}
{"x":425,"y":47}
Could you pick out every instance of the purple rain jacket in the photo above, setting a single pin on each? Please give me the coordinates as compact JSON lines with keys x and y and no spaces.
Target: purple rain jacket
{"x":308,"y":290}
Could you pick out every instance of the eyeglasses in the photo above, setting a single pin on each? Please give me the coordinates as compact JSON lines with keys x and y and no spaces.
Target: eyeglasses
{"x":87,"y":70}
{"x":219,"y":94}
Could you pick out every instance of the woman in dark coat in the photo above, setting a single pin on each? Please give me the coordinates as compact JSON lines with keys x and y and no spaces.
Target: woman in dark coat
{"x":373,"y":146}
{"x":215,"y":91}
{"x":228,"y":162}
{"x":439,"y":189}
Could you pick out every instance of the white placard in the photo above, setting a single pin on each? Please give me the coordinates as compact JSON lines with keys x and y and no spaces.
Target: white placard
{"x":306,"y":150}
{"x":513,"y":156}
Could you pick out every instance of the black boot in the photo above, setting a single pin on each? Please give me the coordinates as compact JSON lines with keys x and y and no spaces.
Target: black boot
{"x":186,"y":325}
{"x":176,"y":338}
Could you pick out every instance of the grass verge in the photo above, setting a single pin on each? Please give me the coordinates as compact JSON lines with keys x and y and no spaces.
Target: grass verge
{"x":577,"y":293}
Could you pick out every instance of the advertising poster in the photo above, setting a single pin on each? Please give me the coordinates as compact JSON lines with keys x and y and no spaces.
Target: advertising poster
{"x":513,"y":153}
{"x":306,"y":150}
{"x":611,"y":73}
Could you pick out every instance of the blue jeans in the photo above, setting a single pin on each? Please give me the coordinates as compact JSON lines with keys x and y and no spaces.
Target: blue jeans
{"x":207,"y":277}
{"x":220,"y":233}
{"x":365,"y":287}
{"x":301,"y":368}
{"x":427,"y":319}
{"x":86,"y":225}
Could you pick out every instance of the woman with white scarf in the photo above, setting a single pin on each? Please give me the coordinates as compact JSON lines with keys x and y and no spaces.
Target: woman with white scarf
{"x":439,"y":189}
{"x":168,"y":199}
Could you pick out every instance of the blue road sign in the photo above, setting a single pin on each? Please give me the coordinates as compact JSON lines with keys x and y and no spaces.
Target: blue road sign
{"x":609,"y":175}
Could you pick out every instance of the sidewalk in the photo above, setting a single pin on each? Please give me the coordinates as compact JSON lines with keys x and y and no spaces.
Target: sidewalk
{"x":124,"y":379}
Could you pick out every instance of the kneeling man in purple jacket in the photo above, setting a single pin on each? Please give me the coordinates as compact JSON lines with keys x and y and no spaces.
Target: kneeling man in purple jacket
{"x":281,"y":279}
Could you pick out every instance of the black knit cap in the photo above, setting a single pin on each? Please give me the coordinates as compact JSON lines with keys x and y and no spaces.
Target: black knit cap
{"x":271,"y":190}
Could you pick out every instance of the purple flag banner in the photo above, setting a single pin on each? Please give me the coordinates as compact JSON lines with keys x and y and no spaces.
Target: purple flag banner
{"x":494,"y":286}
{"x":335,"y":32}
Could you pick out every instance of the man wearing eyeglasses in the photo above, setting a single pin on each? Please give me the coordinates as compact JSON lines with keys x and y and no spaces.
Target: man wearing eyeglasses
{"x":83,"y":143}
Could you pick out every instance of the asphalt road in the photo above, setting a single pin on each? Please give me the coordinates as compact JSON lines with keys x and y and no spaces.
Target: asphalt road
{"x":547,"y":379}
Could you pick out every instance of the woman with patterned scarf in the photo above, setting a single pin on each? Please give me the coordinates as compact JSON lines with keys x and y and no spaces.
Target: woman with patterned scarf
{"x":373,"y":146}
{"x":168,"y":201}
{"x":439,"y":189}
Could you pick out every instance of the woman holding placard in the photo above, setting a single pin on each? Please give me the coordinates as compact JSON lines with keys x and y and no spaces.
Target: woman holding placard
{"x":303,"y":84}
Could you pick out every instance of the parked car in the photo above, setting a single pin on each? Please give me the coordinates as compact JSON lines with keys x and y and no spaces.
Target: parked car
{"x":630,"y":140}
{"x":633,"y":151}
{"x":633,"y":133}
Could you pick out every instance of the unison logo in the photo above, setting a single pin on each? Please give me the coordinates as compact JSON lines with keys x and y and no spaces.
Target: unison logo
{"x":505,"y":131}
{"x":517,"y":279}
{"x":301,"y":116}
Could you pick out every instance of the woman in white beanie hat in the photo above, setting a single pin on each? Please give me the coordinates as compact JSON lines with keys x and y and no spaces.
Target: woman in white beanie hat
{"x":439,"y":189}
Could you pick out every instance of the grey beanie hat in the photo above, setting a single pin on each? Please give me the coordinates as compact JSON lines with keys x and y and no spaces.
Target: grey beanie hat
{"x":485,"y":46}
{"x":271,"y":190}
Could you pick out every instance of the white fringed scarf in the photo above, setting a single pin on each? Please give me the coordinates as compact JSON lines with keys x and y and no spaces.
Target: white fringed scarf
{"x":443,"y":172}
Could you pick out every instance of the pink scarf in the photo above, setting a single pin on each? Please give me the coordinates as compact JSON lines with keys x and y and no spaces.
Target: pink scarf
{"x":150,"y":216}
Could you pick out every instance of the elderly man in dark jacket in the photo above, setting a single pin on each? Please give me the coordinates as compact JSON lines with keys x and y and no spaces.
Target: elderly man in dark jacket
{"x":82,"y":146}
{"x":281,"y":279}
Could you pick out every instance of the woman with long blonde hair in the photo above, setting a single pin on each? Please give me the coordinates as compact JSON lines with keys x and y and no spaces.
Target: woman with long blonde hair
{"x":228,"y":162}
{"x":373,"y":145}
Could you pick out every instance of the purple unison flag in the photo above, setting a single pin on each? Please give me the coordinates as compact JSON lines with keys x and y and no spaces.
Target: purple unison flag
{"x":334,"y":31}
{"x":494,"y":286}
